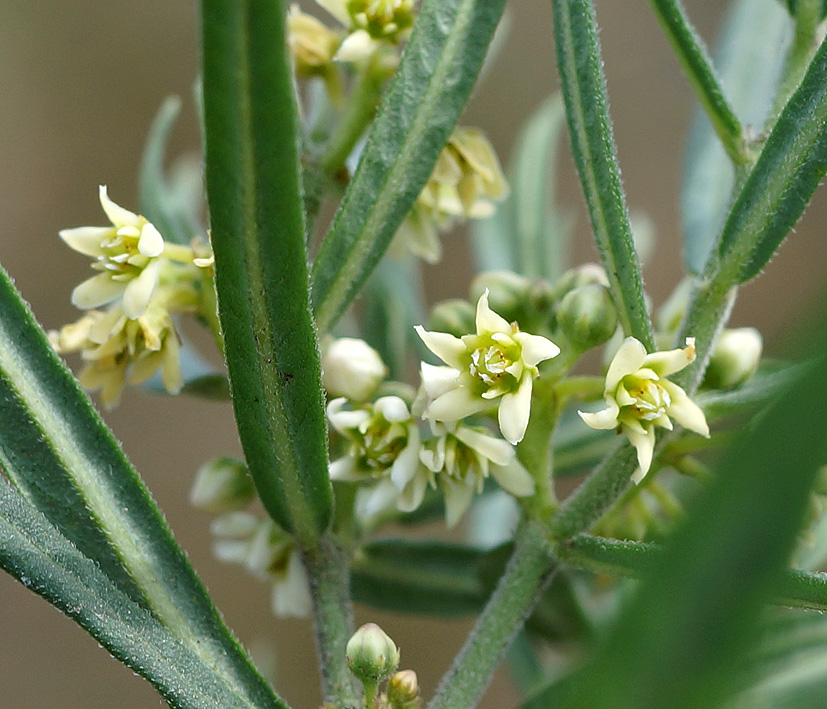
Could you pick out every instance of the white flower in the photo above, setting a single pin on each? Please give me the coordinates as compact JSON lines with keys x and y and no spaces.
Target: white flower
{"x":126,"y":253}
{"x":117,"y":349}
{"x":267,"y":553}
{"x":460,"y":459}
{"x":352,"y":368}
{"x":383,"y":448}
{"x":639,"y":398}
{"x":466,"y":183}
{"x":497,"y":365}
{"x":370,"y":24}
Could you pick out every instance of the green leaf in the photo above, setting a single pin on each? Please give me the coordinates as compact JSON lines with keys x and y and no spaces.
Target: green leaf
{"x":414,"y":121}
{"x":748,"y":58}
{"x":700,"y":602}
{"x":62,"y":459}
{"x":38,"y":556}
{"x":792,"y":164}
{"x":584,"y":90}
{"x":258,"y":236}
{"x":159,"y":201}
{"x":438,"y":578}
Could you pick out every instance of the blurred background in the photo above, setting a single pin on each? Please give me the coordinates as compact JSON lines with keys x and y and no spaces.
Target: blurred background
{"x":80,"y":83}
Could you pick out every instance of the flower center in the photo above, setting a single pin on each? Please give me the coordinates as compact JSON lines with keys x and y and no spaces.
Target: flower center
{"x":489,"y":364}
{"x":651,"y":400}
{"x":382,"y":443}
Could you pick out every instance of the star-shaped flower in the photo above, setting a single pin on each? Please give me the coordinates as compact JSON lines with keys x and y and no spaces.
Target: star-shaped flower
{"x":639,"y":398}
{"x":126,"y":253}
{"x":495,"y":366}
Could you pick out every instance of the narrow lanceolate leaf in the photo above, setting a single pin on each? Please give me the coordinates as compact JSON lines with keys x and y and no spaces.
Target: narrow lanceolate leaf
{"x":253,"y":185}
{"x":157,"y":197}
{"x":748,"y":58}
{"x":701,"y":602}
{"x":65,"y":462}
{"x":587,"y":110}
{"x":36,"y":554}
{"x":416,"y":117}
{"x":792,"y":164}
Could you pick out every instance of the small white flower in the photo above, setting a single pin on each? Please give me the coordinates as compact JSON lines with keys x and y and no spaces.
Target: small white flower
{"x":383,"y":448}
{"x":639,"y":398}
{"x":495,"y":366}
{"x":351,"y":368}
{"x":460,"y":459}
{"x":126,"y":254}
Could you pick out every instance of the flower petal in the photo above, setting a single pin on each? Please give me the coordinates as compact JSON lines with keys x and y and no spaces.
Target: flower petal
{"x":86,"y":239}
{"x":140,"y":290}
{"x":645,"y":445}
{"x":513,"y":478}
{"x":151,"y":243}
{"x":448,"y":348}
{"x":458,"y":496}
{"x":392,"y":408}
{"x":487,"y":320}
{"x":666,"y":363}
{"x":337,"y":8}
{"x":685,"y":411}
{"x":604,"y":420}
{"x":454,"y":405}
{"x":627,"y":359}
{"x":406,"y":465}
{"x":437,"y":381}
{"x":535,"y":348}
{"x":514,"y":411}
{"x":411,"y":497}
{"x":498,"y":451}
{"x":357,"y":46}
{"x":117,"y":214}
{"x":344,"y":470}
{"x":95,"y":291}
{"x":291,"y":594}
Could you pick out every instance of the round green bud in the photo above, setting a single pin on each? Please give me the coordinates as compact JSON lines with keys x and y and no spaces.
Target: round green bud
{"x":735,"y":357}
{"x":584,"y":275}
{"x":508,"y":293}
{"x":454,"y":316}
{"x":403,"y":690}
{"x":587,"y":316}
{"x":371,"y":655}
{"x":222,"y":485}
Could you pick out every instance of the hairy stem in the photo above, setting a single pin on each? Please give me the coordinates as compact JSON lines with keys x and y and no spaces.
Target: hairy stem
{"x":514,"y":598}
{"x":327,"y":569}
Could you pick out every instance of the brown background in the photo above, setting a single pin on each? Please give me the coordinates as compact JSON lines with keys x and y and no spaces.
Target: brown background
{"x":79,"y":84}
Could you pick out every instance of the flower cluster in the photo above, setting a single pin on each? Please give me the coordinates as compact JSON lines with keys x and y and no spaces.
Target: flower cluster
{"x":142,"y":283}
{"x":371,"y":25}
{"x":466,"y":183}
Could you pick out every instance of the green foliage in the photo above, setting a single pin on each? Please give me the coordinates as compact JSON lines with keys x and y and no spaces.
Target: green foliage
{"x":258,"y":236}
{"x":415,"y":119}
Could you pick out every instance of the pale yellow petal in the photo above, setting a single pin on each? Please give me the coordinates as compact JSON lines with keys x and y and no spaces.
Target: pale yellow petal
{"x":151,"y":243}
{"x":139,"y":291}
{"x":644,"y":443}
{"x":448,"y":348}
{"x":513,"y":478}
{"x":604,"y":420}
{"x":515,"y":408}
{"x":685,"y":411}
{"x":535,"y":348}
{"x":117,"y":214}
{"x":454,"y":405}
{"x":487,"y":320}
{"x":628,"y":359}
{"x":86,"y":240}
{"x":496,"y":450}
{"x":96,"y":291}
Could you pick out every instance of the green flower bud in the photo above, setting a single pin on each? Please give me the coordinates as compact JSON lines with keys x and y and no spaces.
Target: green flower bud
{"x":734,"y":359}
{"x":587,"y":316}
{"x":371,"y":655}
{"x":222,"y":485}
{"x":454,"y":316}
{"x":403,"y":690}
{"x":584,"y":275}
{"x":507,"y":293}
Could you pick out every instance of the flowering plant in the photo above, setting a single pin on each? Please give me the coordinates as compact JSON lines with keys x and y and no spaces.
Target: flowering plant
{"x":608,"y":555}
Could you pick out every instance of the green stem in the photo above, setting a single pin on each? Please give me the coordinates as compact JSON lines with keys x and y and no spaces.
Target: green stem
{"x":697,"y":64}
{"x":534,"y":451}
{"x":799,"y":56}
{"x":329,"y":574}
{"x":514,"y":598}
{"x":580,"y":389}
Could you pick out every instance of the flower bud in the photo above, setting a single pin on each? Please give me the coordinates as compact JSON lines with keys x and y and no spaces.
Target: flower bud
{"x":584,"y":275}
{"x":454,"y":316}
{"x":507,"y":293}
{"x":311,"y":43}
{"x":352,"y":368}
{"x":222,"y":485}
{"x":403,"y":690}
{"x":371,"y":655}
{"x":734,"y":359}
{"x":587,"y":316}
